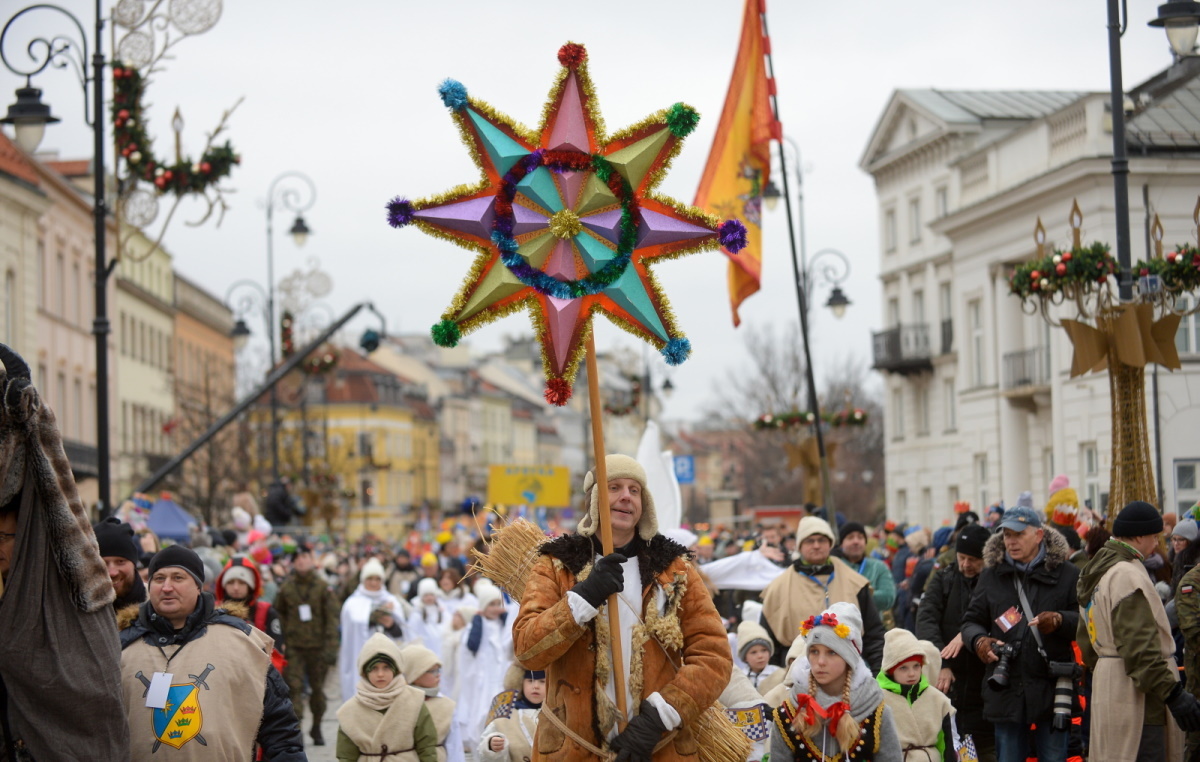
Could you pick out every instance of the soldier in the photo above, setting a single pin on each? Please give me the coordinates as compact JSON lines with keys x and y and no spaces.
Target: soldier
{"x":1187,"y":608}
{"x":309,"y":613}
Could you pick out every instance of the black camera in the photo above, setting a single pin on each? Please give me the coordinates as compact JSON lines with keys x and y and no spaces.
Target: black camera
{"x":999,"y":679}
{"x":1065,"y":674}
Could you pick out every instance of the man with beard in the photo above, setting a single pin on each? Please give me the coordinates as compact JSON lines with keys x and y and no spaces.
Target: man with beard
{"x":939,"y":619}
{"x":120,"y":554}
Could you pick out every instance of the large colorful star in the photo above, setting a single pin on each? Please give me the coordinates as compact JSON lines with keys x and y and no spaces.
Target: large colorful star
{"x":566,"y":222}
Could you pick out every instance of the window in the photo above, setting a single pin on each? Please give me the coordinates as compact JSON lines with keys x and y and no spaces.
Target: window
{"x":918,"y":307}
{"x":922,"y":403}
{"x":60,"y":396}
{"x":60,"y":275}
{"x":914,"y":220}
{"x":981,"y":480}
{"x":941,"y":201}
{"x":1090,"y":459}
{"x":43,"y":376}
{"x":927,"y":506}
{"x":1187,"y":484}
{"x":952,"y":495}
{"x":897,"y":414}
{"x":78,"y":427}
{"x":1187,"y":338}
{"x":10,"y":308}
{"x":950,"y":405}
{"x":41,"y":266}
{"x":975,"y":317}
{"x":889,"y":230}
{"x":893,"y":313}
{"x":124,"y":335}
{"x":76,"y":294}
{"x":902,"y":504}
{"x":125,"y":426}
{"x":945,"y":302}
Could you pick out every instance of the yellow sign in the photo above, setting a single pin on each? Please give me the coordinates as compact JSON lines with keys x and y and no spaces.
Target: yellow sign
{"x":530,"y":485}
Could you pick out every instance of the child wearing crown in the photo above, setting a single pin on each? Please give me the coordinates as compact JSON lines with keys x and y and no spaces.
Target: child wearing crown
{"x":835,"y":710}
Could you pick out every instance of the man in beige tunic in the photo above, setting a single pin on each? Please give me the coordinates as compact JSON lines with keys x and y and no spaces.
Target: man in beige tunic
{"x":815,"y":581}
{"x":1125,"y":638}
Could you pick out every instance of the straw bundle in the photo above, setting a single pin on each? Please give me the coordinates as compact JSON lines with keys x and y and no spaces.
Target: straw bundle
{"x":720,"y":740}
{"x":512,"y":552}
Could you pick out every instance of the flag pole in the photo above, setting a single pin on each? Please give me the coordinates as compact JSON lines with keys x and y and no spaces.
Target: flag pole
{"x":606,"y":536}
{"x":800,"y":272}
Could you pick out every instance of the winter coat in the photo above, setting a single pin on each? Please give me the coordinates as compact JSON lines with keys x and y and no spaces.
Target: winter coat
{"x":517,"y":730}
{"x":1124,"y":637}
{"x":939,"y":620}
{"x":878,"y":574}
{"x":922,"y":715}
{"x":271,"y":624}
{"x":683,"y":653}
{"x":879,"y":740}
{"x":1050,"y":586}
{"x":320,"y":632}
{"x":222,"y":674}
{"x":1187,"y":607}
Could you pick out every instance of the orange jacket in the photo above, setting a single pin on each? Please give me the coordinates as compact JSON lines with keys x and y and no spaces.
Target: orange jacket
{"x":689,"y":673}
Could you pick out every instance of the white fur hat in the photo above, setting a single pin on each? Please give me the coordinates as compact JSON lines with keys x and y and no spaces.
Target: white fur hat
{"x":426,"y":587}
{"x":485,"y":593}
{"x":752,"y":633}
{"x":848,"y":642}
{"x":372,"y":568}
{"x":619,"y":467}
{"x":900,"y":645}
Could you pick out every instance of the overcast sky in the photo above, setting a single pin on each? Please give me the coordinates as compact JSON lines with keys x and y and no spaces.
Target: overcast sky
{"x":346,"y":93}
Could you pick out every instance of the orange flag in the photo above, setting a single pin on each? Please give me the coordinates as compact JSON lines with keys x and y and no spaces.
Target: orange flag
{"x":739,"y":164}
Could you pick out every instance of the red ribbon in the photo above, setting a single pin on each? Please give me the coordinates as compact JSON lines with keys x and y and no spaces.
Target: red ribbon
{"x":811,"y":709}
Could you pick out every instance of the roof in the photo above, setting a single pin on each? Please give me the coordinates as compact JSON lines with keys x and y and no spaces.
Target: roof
{"x":1171,"y":118}
{"x":13,"y":162}
{"x":968,"y":106}
{"x":71,"y":167}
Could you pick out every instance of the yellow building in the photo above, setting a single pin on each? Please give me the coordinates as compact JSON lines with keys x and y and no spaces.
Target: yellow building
{"x":359,"y":443}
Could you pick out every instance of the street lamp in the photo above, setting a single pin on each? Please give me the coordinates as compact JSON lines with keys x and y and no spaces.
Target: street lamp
{"x":1181,"y":19}
{"x":29,"y":117}
{"x":833,"y":270}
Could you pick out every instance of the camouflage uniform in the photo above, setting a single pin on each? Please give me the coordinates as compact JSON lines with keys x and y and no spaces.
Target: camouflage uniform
{"x":312,"y":645}
{"x":1187,"y":609}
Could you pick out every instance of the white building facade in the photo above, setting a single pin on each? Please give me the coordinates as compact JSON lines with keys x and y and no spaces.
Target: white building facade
{"x":978,"y":399}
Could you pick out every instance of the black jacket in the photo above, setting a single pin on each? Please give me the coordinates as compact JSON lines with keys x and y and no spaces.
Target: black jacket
{"x":939,"y":620}
{"x":279,"y":732}
{"x":1029,"y":696}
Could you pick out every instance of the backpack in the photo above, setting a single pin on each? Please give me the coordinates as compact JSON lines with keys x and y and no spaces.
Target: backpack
{"x":260,"y":621}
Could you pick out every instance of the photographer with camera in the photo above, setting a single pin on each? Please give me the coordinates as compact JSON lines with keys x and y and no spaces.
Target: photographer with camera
{"x":1021,"y":623}
{"x":1125,"y":638}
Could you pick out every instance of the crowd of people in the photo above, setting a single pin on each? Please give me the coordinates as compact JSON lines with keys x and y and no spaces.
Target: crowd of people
{"x":1037,"y":632}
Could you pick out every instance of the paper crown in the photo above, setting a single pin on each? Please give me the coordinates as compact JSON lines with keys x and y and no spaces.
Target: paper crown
{"x":565,"y":221}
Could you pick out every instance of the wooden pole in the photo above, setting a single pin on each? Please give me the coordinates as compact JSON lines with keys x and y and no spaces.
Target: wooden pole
{"x":606,"y":537}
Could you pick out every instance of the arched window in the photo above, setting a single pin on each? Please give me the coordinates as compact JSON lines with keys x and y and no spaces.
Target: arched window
{"x":10,"y":308}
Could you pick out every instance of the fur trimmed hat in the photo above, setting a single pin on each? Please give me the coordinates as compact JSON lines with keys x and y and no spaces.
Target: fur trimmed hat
{"x":417,"y":661}
{"x":900,"y":645}
{"x":752,"y":634}
{"x":838,"y":628}
{"x":619,"y":467}
{"x":1063,"y":505}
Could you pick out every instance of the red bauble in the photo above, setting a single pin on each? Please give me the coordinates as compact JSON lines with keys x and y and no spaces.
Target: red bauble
{"x":1033,"y":286}
{"x":168,"y":175}
{"x":123,"y":114}
{"x":1061,"y":268}
{"x":1066,"y":256}
{"x":571,"y":55}
{"x":205,"y":167}
{"x":1035,"y":275}
{"x":1143,"y":272}
{"x":160,"y":182}
{"x":1103,"y":279}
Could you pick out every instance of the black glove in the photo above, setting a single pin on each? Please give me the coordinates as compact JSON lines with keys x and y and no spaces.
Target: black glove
{"x":637,"y":741}
{"x":607,"y":578}
{"x":1185,"y":709}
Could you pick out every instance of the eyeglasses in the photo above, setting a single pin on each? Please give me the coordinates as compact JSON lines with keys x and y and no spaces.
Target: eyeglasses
{"x":434,"y":671}
{"x":6,"y":536}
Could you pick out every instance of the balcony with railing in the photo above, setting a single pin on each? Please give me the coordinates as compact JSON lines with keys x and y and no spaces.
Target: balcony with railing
{"x":904,"y":349}
{"x":84,"y":459}
{"x":1026,"y":380}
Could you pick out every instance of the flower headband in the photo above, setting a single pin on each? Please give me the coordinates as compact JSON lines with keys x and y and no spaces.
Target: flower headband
{"x":828,"y":619}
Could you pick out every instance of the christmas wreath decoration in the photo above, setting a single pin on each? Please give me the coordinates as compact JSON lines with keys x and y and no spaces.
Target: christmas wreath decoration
{"x":1179,"y":270}
{"x":1082,"y":268}
{"x":134,"y":144}
{"x":848,"y":417}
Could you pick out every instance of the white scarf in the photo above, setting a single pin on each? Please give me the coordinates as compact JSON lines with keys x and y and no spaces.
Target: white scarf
{"x":379,"y":699}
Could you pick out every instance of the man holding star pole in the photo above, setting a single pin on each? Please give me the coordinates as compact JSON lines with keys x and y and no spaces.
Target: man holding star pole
{"x":675,"y":655}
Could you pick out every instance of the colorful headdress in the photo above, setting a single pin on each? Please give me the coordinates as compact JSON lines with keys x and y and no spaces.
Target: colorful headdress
{"x":1062,"y":507}
{"x":566,"y":221}
{"x":828,"y":619}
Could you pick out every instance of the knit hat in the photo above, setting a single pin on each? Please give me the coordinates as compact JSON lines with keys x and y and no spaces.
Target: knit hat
{"x":239,"y":573}
{"x":971,"y":540}
{"x":429,"y":559}
{"x":1137,"y":519}
{"x":852,"y":527}
{"x":181,"y":557}
{"x":372,"y":568}
{"x":838,"y":628}
{"x":115,"y":539}
{"x":1063,"y":505}
{"x":417,"y":661}
{"x":916,"y":538}
{"x":941,"y":538}
{"x":810,"y":525}
{"x":619,"y":467}
{"x":899,"y":646}
{"x":1187,"y":529}
{"x":427,"y":586}
{"x":380,"y":645}
{"x":753,"y":634}
{"x":798,"y":648}
{"x":485,"y":593}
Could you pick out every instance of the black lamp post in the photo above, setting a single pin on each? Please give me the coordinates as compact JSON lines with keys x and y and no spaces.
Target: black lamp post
{"x":29,"y":116}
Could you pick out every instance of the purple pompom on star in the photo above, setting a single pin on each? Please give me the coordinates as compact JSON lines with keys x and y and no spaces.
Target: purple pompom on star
{"x":399,"y":212}
{"x":732,"y":235}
